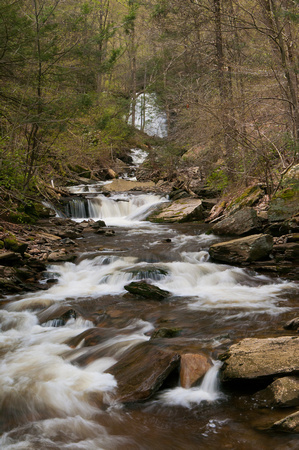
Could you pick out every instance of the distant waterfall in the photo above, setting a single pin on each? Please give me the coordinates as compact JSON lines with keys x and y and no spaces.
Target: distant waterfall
{"x":149,"y":117}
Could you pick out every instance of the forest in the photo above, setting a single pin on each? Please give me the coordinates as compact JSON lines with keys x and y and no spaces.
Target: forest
{"x":224,"y":71}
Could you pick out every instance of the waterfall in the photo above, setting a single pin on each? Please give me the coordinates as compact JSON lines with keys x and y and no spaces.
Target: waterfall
{"x":155,"y":123}
{"x":208,"y":391}
{"x":119,"y":210}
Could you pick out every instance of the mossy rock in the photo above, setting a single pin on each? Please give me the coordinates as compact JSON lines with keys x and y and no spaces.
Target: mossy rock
{"x":1,"y":244}
{"x":20,"y":217}
{"x":284,"y":205}
{"x":248,"y":198}
{"x":38,"y":210}
{"x":11,"y":243}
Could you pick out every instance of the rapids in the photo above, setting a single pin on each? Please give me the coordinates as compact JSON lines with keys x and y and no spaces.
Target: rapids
{"x":50,"y":400}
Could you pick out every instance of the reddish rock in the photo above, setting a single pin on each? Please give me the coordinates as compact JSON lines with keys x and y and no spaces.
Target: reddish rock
{"x":193,"y":368}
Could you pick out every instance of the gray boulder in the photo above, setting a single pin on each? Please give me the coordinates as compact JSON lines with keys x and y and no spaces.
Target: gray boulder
{"x":247,"y":249}
{"x":239,"y":223}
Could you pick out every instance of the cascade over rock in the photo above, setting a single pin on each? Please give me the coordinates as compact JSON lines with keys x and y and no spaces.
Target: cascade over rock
{"x":141,"y":371}
{"x":193,"y":368}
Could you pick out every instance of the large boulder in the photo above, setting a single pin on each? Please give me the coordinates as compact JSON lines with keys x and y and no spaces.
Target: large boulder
{"x":239,"y":223}
{"x":249,"y":197}
{"x":261,"y":359}
{"x":182,"y":210}
{"x":284,"y":205}
{"x":142,"y":370}
{"x":247,"y":249}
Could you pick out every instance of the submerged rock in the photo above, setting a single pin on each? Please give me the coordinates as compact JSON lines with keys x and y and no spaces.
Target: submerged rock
{"x":289,"y":424}
{"x":165,"y":333}
{"x":183,"y":210}
{"x":247,"y":249}
{"x":256,"y":359}
{"x":146,"y":290}
{"x":283,"y":392}
{"x":239,"y":223}
{"x":193,"y":368}
{"x":89,"y":337}
{"x":59,"y":313}
{"x":142,"y":370}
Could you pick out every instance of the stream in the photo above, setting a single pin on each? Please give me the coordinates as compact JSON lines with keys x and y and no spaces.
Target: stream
{"x":51,"y":401}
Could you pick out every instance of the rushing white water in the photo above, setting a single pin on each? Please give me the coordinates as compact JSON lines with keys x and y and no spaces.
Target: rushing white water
{"x":119,"y":209}
{"x":206,"y":285}
{"x":138,"y":156}
{"x":208,"y":391}
{"x":39,"y":384}
{"x":49,"y":398}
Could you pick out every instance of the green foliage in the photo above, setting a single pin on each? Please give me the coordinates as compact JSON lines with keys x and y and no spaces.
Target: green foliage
{"x":218,"y":180}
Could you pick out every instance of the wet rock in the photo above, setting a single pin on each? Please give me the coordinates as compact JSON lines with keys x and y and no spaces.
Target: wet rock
{"x":98,"y":224}
{"x":256,"y":359}
{"x":183,"y":210}
{"x":165,"y":333}
{"x":193,"y":368}
{"x":292,"y":324}
{"x":239,"y":223}
{"x":146,"y":290}
{"x":142,"y":370}
{"x":247,"y":249}
{"x":91,"y":337}
{"x":283,"y":392}
{"x":61,"y":313}
{"x":109,"y":233}
{"x":289,"y":424}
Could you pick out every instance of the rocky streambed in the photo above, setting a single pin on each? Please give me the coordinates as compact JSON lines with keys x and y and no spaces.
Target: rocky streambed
{"x":128,"y":323}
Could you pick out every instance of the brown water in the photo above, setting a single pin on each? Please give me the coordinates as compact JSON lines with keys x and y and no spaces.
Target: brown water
{"x":49,"y":401}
